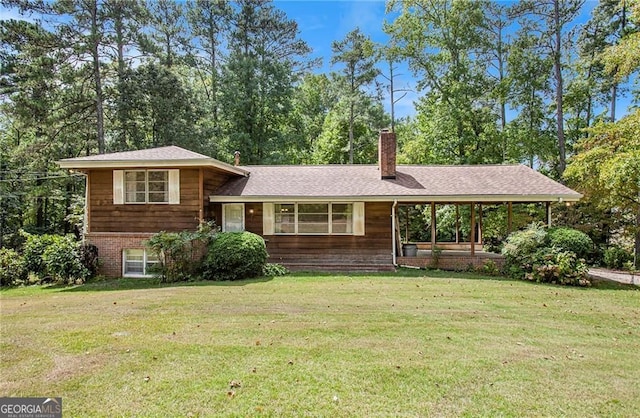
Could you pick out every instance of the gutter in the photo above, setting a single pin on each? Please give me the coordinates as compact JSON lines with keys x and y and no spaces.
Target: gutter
{"x":558,"y":198}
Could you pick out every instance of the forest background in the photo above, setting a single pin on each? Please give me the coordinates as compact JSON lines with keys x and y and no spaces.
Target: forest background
{"x":532,"y":82}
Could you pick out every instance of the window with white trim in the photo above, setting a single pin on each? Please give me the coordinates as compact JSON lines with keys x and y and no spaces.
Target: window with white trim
{"x":138,"y":262}
{"x":233,"y":217}
{"x":313,"y":218}
{"x":146,"y":187}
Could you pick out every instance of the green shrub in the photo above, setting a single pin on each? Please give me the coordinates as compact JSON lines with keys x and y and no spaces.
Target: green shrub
{"x":569,"y":239}
{"x":559,"y":267}
{"x":530,"y":255}
{"x":54,"y":258}
{"x":33,"y":249}
{"x":274,"y":270}
{"x":62,"y":261}
{"x":12,"y":267}
{"x":181,"y":254}
{"x":520,"y":249}
{"x":235,"y":256}
{"x":489,"y":267}
{"x":615,"y":257}
{"x":89,"y":258}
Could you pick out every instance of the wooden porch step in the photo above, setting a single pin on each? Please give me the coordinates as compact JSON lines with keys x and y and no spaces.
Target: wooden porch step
{"x":332,"y":260}
{"x":340,"y":268}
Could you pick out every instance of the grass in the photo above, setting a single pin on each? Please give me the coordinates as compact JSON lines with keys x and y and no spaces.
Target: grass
{"x":326,"y":345}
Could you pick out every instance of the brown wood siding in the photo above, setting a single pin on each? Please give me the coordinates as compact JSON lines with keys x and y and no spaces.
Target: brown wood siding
{"x":253,"y":221}
{"x":107,"y":217}
{"x":212,"y":181}
{"x":377,"y":236}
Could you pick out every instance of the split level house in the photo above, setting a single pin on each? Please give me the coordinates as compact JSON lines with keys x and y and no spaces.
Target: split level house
{"x":311,"y":216}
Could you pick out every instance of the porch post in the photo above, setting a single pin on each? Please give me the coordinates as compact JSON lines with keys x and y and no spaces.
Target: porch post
{"x":509,"y":217}
{"x":201,"y":195}
{"x":549,"y":214}
{"x":473,"y":229}
{"x":433,"y":225}
{"x":457,"y":224}
{"x":480,"y":225}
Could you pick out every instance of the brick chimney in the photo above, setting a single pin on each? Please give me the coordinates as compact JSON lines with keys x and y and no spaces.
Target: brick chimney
{"x":387,"y":154}
{"x":236,"y":158}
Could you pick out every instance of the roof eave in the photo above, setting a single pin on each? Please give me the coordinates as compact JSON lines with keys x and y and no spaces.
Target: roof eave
{"x":208,"y":162}
{"x":552,"y":198}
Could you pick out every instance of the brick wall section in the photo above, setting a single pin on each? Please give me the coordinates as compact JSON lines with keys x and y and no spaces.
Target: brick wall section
{"x":453,"y":262}
{"x":110,"y":246}
{"x":387,"y":155}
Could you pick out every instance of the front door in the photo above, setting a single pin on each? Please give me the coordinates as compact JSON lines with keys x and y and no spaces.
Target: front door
{"x":233,"y":217}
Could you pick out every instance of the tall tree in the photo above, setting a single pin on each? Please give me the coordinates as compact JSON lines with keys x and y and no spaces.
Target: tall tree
{"x":265,"y":55}
{"x":531,"y":132}
{"x":168,"y":30}
{"x":497,"y":53}
{"x":44,"y":121}
{"x":553,"y":19}
{"x":442,"y":41}
{"x":314,"y":98}
{"x":84,"y":34}
{"x":125,"y":22}
{"x":209,"y":21}
{"x":607,"y":166}
{"x":357,"y":52}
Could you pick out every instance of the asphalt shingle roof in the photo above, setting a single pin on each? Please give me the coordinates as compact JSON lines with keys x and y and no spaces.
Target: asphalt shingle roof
{"x":333,"y":181}
{"x":171,"y":156}
{"x":163,"y":153}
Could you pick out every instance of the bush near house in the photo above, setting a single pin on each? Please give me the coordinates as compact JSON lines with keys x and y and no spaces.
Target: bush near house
{"x":531,"y":255}
{"x":48,"y":258}
{"x":12,"y":267}
{"x":616,"y":257}
{"x":569,"y":239}
{"x":62,"y":261}
{"x":235,"y":256}
{"x":33,"y":249}
{"x":182,"y":254}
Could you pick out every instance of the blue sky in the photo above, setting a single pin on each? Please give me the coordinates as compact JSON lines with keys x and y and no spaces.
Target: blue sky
{"x":322,"y":22}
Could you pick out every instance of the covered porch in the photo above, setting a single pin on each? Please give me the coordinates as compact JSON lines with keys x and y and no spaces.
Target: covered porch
{"x":450,"y":235}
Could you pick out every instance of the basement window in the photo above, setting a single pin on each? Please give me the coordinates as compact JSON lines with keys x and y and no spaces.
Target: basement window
{"x":138,"y":262}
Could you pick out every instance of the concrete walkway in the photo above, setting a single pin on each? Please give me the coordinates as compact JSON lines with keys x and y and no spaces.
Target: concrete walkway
{"x":614,"y":275}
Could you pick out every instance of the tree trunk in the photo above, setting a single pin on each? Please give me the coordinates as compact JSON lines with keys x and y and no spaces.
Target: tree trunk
{"x":95,"y":41}
{"x":614,"y":94}
{"x":636,"y":257}
{"x":351,"y":106}
{"x":393,"y":117}
{"x":562,"y":162}
{"x":121,"y":114}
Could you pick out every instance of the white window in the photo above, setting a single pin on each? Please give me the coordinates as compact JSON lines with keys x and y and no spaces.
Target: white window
{"x":233,"y":217}
{"x":138,"y":262}
{"x":313,"y":218}
{"x":342,"y":218}
{"x":146,"y":186}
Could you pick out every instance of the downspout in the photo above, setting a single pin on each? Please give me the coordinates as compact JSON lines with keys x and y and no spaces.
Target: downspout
{"x":85,"y":218}
{"x":393,"y":231}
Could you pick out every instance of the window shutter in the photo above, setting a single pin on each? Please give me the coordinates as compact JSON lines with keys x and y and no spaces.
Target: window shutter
{"x":174,"y":187}
{"x":118,"y":187}
{"x":358,"y":218}
{"x":268,"y":218}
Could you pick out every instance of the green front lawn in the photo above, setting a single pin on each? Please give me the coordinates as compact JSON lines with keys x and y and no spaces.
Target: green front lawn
{"x":368,"y":345}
